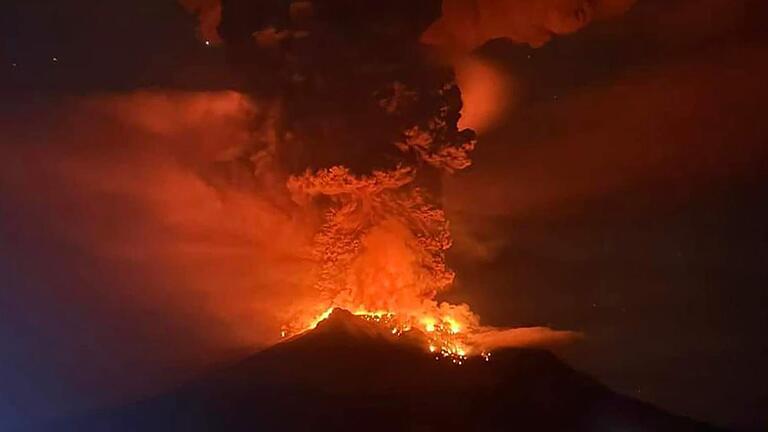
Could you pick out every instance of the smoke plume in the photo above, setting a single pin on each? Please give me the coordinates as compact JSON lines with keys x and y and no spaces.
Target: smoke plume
{"x":366,"y":145}
{"x":202,"y":222}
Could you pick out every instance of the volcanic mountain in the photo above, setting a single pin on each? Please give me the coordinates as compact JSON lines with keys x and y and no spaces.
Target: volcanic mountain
{"x":352,"y":374}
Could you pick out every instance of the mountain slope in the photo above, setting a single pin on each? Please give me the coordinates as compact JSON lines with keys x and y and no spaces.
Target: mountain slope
{"x":350,"y":374}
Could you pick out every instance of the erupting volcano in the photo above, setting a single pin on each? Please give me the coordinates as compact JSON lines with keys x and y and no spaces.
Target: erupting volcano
{"x":381,"y":246}
{"x":350,"y":373}
{"x":362,"y":125}
{"x":381,"y":254}
{"x":238,"y":215}
{"x":366,"y":127}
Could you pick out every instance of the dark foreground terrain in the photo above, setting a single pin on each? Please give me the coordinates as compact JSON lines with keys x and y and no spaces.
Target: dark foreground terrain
{"x":348,"y":374}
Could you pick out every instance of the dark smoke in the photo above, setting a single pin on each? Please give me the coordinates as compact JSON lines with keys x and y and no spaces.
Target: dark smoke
{"x":350,"y":77}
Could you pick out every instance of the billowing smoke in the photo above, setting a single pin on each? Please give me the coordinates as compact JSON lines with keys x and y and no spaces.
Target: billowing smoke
{"x":169,"y":243}
{"x":173,"y":208}
{"x":487,"y":92}
{"x":467,"y":24}
{"x":454,"y":28}
{"x":147,"y":181}
{"x":367,"y":125}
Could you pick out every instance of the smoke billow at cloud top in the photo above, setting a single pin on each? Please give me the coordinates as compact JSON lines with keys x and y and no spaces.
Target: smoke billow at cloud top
{"x":467,"y":24}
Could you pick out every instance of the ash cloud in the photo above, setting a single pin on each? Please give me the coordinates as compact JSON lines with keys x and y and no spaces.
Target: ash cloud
{"x":465,"y":25}
{"x":654,"y":139}
{"x":358,"y":89}
{"x":688,"y":118}
{"x":140,"y":243}
{"x":161,"y":182}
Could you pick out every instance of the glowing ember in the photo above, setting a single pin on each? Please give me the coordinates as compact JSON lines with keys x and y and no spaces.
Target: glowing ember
{"x":443,"y":337}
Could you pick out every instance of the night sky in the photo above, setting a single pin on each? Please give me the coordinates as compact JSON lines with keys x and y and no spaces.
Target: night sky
{"x":623,"y":194}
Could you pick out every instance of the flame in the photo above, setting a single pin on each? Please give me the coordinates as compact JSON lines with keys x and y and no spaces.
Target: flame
{"x":443,"y":337}
{"x":322,"y":317}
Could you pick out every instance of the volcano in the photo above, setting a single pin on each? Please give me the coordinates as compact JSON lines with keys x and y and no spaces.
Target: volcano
{"x":352,"y":374}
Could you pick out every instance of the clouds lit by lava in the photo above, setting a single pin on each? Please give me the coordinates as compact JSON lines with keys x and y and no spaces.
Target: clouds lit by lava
{"x":367,"y":126}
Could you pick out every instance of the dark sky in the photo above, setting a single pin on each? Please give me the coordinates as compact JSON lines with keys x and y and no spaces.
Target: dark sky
{"x":623,"y":196}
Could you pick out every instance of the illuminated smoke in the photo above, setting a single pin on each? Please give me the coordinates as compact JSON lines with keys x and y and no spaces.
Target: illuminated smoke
{"x":467,"y":24}
{"x":209,"y":15}
{"x":168,"y":185}
{"x":487,"y":91}
{"x":381,"y":247}
{"x":365,"y":129}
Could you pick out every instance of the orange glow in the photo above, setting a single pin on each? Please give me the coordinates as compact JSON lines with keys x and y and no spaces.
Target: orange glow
{"x":377,"y":250}
{"x":444,"y":338}
{"x":380,"y":247}
{"x":428,"y":323}
{"x":465,"y":25}
{"x":486,"y":91}
{"x":381,"y":254}
{"x":319,"y":318}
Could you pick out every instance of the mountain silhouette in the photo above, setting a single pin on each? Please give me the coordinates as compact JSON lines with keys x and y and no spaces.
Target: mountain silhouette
{"x":350,"y":374}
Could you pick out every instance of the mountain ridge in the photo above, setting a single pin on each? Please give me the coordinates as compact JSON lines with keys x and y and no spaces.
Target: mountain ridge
{"x":349,"y":373}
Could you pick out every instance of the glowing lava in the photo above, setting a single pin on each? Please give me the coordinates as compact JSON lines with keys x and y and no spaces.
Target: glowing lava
{"x":442,"y":336}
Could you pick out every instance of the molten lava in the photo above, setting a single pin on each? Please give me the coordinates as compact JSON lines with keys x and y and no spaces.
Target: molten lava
{"x":443,"y":336}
